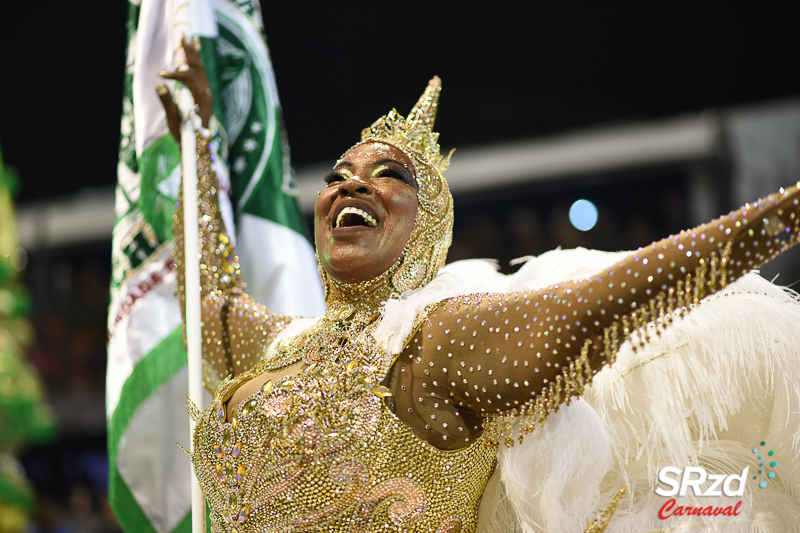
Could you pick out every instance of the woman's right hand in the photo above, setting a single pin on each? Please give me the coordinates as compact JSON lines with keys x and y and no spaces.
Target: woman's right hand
{"x":193,"y":75}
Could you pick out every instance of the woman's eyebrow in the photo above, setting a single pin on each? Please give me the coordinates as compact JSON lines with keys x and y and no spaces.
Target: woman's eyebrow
{"x":384,"y":161}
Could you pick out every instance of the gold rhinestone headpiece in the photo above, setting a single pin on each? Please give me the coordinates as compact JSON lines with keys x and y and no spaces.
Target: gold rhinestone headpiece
{"x":426,"y":250}
{"x":427,"y":247}
{"x":413,"y":135}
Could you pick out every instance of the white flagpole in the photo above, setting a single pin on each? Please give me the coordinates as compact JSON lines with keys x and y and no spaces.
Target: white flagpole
{"x":192,"y":271}
{"x":185,"y":23}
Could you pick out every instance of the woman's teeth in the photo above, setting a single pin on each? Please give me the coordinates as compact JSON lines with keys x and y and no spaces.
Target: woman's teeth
{"x":371,"y":222}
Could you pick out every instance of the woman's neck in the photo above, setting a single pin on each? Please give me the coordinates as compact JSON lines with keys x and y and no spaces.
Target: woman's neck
{"x":358,"y":303}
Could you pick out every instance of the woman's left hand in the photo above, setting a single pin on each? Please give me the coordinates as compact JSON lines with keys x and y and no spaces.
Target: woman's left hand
{"x":193,"y":75}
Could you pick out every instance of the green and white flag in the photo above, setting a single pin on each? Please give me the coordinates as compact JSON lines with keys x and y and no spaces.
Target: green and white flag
{"x":147,"y":377}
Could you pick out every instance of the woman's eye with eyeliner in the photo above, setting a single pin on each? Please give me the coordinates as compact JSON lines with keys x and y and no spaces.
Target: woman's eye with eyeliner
{"x":389,"y":173}
{"x":333,"y":177}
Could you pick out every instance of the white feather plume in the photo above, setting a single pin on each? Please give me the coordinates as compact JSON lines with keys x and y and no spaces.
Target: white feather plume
{"x":706,"y":391}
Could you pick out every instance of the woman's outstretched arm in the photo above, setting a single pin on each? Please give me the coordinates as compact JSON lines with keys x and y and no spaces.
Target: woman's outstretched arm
{"x":528,"y":352}
{"x":236,"y":329}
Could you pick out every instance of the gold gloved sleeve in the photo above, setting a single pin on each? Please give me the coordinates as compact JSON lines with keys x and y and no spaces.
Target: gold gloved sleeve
{"x":236,"y":329}
{"x":523,"y":354}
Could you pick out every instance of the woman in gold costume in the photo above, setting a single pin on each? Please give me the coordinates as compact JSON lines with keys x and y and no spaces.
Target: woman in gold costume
{"x":387,"y":413}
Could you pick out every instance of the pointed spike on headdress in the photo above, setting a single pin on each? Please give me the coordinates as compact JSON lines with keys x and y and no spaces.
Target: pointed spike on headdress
{"x":444,"y":163}
{"x":424,"y":112}
{"x":413,"y":134}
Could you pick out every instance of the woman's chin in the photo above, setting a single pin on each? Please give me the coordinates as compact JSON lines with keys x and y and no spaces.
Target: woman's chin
{"x":349,"y":276}
{"x":355,"y":268}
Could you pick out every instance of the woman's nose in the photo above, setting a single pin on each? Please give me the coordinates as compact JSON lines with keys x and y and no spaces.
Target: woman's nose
{"x":355,"y":186}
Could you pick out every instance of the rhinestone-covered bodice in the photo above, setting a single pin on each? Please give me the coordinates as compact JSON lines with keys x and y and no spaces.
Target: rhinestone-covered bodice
{"x":321,"y":451}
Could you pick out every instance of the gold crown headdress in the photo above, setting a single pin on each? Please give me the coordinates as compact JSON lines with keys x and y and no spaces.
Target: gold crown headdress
{"x":427,"y":247}
{"x":413,"y":134}
{"x":426,"y":250}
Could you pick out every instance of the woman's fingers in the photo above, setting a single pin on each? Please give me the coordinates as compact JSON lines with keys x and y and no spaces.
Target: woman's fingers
{"x":183,"y":75}
{"x":192,"y":49}
{"x":199,"y":81}
{"x":171,"y":110}
{"x":193,"y":76}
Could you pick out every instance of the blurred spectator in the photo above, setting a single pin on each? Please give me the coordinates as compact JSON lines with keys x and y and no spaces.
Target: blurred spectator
{"x":82,"y":517}
{"x":48,"y":518}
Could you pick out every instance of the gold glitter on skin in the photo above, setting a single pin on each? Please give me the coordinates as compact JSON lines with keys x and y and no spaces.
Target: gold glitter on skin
{"x":330,"y":432}
{"x":365,"y":180}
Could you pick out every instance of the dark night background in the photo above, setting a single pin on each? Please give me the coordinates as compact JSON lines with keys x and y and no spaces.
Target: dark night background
{"x":510,"y":71}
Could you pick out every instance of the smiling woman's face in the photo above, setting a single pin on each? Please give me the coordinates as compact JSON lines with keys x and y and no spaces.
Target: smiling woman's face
{"x":364,"y":217}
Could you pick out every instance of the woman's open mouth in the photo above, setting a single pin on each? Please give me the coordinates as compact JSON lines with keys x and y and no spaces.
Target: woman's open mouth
{"x":353,"y":216}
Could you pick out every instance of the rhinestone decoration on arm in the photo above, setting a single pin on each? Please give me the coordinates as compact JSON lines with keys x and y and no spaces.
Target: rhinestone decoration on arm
{"x":236,"y":328}
{"x":522,"y":354}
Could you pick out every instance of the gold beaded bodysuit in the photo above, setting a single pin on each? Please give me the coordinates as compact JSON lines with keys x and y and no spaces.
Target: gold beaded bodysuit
{"x":343,"y":433}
